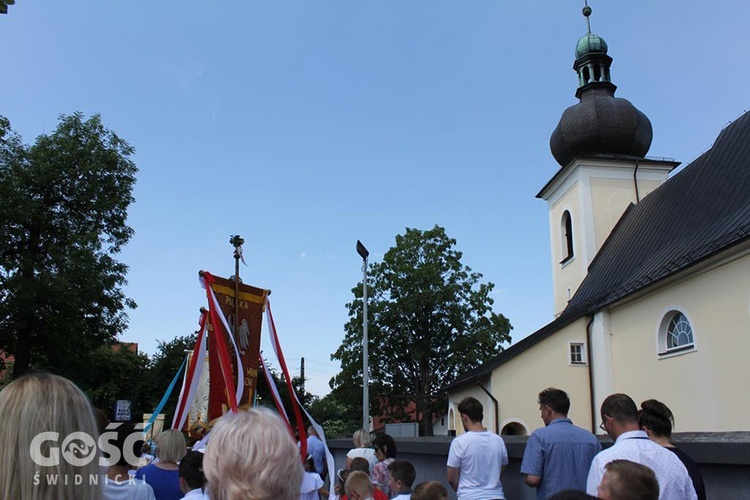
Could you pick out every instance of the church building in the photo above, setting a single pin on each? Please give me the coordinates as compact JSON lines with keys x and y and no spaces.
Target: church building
{"x":651,"y":274}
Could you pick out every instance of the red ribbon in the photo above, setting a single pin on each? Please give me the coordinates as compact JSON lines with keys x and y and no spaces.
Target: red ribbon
{"x":221,"y":347}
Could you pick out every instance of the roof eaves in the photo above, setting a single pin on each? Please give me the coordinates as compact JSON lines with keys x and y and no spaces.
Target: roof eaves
{"x":511,"y":352}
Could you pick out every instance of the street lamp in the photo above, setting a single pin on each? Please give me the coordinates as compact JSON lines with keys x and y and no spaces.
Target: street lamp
{"x":362,"y":251}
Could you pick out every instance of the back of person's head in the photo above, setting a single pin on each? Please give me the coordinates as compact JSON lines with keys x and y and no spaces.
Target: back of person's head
{"x":127,"y":443}
{"x":191,"y":470}
{"x":41,"y":403}
{"x":360,"y":463}
{"x":386,"y":445}
{"x":252,"y":455}
{"x":309,"y":463}
{"x":472,"y":408}
{"x":311,"y":431}
{"x":341,"y":476}
{"x":657,"y":417}
{"x":170,"y":446}
{"x":362,"y":439}
{"x":571,"y":495}
{"x":556,"y":399}
{"x":359,"y":484}
{"x":626,"y":480}
{"x":402,"y":470}
{"x":621,"y":408}
{"x":429,"y":490}
{"x":102,"y":420}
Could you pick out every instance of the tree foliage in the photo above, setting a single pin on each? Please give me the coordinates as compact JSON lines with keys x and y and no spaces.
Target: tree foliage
{"x":265,"y":398}
{"x":4,"y":5}
{"x":430,"y":320}
{"x":162,"y":369}
{"x":63,"y":209}
{"x":113,"y":373}
{"x":336,"y":416}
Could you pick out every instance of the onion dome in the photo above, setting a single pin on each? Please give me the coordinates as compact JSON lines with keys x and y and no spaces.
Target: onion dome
{"x":600,"y":123}
{"x":590,"y":43}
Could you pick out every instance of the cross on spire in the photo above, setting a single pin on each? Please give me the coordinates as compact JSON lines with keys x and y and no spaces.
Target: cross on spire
{"x":586,"y":13}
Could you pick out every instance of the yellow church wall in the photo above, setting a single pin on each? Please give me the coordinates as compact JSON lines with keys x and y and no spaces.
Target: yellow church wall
{"x":610,"y":198}
{"x":705,"y":388}
{"x":566,"y":277}
{"x":516,"y":384}
{"x":473,"y":390}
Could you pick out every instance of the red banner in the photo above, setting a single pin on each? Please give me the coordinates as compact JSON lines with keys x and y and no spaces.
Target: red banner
{"x":246,"y":340}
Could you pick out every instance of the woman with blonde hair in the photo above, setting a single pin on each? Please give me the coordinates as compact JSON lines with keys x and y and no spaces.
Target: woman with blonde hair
{"x":362,"y":448}
{"x":48,"y":440}
{"x":164,"y":476}
{"x":251,"y":455}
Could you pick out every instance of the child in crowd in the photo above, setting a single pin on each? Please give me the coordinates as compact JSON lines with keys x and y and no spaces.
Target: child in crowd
{"x":192,"y":479}
{"x":401,"y":475}
{"x":361,"y":464}
{"x":430,"y":490}
{"x":312,"y":485}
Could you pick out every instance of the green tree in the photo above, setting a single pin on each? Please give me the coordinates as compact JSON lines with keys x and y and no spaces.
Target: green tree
{"x":430,"y":319}
{"x":334,"y":416}
{"x":162,"y":369}
{"x":63,"y":209}
{"x":116,"y":372}
{"x":4,"y":5}
{"x":265,"y":398}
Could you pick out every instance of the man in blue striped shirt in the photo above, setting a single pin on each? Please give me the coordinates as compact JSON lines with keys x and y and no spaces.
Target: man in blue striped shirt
{"x":557,"y":456}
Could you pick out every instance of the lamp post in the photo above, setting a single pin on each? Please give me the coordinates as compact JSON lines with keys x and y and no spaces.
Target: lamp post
{"x":362,"y":251}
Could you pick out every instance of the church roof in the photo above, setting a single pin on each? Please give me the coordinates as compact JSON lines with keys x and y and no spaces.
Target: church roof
{"x":700,"y":211}
{"x":694,"y":215}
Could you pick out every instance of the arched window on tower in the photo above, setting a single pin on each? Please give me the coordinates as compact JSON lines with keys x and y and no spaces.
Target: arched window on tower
{"x":566,"y":231}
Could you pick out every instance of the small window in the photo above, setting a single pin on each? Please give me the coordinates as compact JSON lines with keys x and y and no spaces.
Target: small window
{"x":675,"y":334}
{"x":577,"y":353}
{"x":566,"y":229}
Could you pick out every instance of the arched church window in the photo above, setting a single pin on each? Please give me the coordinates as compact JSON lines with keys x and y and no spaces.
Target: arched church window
{"x":675,"y":334}
{"x":566,"y":230}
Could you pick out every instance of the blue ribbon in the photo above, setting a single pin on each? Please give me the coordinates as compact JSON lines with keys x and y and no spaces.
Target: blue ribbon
{"x":164,"y":399}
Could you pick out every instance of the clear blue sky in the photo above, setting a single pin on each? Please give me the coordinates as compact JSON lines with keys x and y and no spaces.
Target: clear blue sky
{"x":306,"y":125}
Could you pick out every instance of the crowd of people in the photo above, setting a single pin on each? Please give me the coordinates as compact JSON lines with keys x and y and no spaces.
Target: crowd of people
{"x":54,"y":445}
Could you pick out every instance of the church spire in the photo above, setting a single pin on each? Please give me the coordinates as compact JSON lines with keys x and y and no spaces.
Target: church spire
{"x":600,"y":123}
{"x":592,"y":62}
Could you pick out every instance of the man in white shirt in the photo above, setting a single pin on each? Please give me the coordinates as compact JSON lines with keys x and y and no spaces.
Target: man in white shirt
{"x":620,"y":421}
{"x":477,"y":457}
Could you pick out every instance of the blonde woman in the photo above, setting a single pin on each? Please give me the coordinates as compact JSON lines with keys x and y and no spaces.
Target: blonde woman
{"x":251,"y":455}
{"x":47,"y":441}
{"x":362,"y":448}
{"x":164,"y":476}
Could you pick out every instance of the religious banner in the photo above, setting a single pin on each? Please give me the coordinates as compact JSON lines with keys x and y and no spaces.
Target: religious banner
{"x":234,"y":329}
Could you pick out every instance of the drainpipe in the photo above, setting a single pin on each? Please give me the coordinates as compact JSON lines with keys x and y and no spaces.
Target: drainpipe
{"x":497,"y":408}
{"x":591,"y":375}
{"x":635,"y":181}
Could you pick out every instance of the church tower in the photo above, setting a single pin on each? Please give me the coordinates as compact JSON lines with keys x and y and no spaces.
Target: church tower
{"x":600,"y":144}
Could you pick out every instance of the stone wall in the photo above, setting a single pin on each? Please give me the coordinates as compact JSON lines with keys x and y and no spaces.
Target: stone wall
{"x":724,"y":460}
